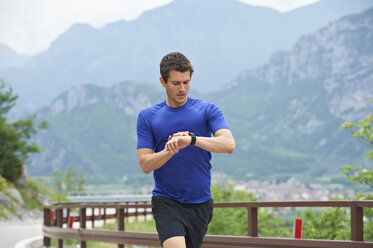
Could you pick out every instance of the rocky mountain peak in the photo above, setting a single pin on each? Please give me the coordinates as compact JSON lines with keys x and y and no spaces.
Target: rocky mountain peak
{"x":339,"y":56}
{"x":126,"y":96}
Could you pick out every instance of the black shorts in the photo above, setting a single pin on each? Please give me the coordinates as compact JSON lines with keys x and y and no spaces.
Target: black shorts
{"x":177,"y":219}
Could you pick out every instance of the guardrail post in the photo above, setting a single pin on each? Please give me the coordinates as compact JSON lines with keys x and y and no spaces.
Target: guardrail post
{"x":357,"y":225}
{"x":104,"y":216}
{"x":47,"y":222}
{"x":252,"y":221}
{"x":59,"y":219}
{"x":120,"y":216}
{"x":145,"y":213}
{"x":83,"y":218}
{"x":136,"y":211}
{"x":67,"y":215}
{"x":93,"y":217}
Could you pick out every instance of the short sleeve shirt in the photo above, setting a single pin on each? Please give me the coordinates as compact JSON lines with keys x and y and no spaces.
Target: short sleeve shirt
{"x":186,"y":177}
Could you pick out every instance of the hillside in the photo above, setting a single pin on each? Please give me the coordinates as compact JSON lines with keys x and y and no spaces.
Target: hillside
{"x":9,"y":58}
{"x":230,"y":34}
{"x":285,"y":115}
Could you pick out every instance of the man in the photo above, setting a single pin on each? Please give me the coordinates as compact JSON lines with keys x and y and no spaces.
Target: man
{"x":174,"y":141}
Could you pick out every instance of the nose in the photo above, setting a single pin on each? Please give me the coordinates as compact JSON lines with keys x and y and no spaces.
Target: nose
{"x":182,"y":87}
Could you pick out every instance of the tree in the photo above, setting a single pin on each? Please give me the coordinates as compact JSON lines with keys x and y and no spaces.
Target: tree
{"x":363,"y":130}
{"x":70,"y":180}
{"x":233,"y":221}
{"x":334,"y":223}
{"x":15,"y":145}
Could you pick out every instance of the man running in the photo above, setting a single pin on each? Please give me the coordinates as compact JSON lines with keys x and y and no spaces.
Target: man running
{"x":174,"y":140}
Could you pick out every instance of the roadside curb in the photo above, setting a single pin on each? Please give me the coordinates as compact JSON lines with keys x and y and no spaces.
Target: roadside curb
{"x":24,"y":243}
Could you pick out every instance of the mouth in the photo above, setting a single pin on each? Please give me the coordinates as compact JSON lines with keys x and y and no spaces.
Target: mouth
{"x":181,"y":95}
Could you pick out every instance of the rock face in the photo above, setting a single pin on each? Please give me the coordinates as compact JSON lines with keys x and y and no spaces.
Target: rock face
{"x":339,"y":57}
{"x":14,"y":194}
{"x":5,"y":200}
{"x":92,"y":120}
{"x":233,"y":36}
{"x":22,"y":181}
{"x":126,"y":96}
{"x":285,"y":115}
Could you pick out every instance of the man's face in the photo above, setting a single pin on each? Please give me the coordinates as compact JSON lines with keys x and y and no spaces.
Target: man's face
{"x":177,"y":88}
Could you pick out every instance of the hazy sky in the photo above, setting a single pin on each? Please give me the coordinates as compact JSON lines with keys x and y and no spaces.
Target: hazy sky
{"x":29,"y":26}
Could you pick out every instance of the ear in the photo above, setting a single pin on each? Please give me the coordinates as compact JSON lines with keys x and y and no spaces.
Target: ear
{"x":162,"y":81}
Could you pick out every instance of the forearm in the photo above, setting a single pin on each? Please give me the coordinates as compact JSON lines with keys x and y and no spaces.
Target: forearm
{"x":153,"y":161}
{"x":219,"y":144}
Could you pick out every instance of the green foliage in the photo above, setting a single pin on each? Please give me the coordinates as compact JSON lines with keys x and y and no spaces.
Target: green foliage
{"x":14,"y":137}
{"x":356,"y":174}
{"x":34,"y":194}
{"x":368,"y":215}
{"x":233,"y":221}
{"x":271,"y":225}
{"x":229,"y":221}
{"x":362,"y":130}
{"x":332,"y":224}
{"x":70,"y":180}
{"x":33,"y":197}
{"x":4,"y":184}
{"x":139,"y":225}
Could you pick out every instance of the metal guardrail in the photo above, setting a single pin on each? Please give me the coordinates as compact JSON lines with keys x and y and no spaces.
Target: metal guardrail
{"x":109,"y":198}
{"x":54,"y":228}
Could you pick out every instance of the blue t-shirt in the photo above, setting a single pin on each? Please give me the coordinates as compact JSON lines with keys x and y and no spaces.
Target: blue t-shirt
{"x":186,"y":177}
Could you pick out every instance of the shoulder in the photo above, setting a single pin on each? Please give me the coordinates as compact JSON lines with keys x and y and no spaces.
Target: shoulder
{"x":208,"y":107}
{"x":151,"y":110}
{"x":201,"y":104}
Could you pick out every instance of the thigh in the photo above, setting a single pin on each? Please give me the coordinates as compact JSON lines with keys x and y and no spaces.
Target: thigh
{"x":168,"y":218}
{"x":175,"y":242}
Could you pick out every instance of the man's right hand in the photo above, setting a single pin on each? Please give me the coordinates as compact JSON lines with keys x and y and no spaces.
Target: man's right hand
{"x":177,"y":142}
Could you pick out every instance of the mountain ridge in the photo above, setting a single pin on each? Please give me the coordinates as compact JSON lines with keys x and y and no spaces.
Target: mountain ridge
{"x":232,"y":37}
{"x":284,"y":124}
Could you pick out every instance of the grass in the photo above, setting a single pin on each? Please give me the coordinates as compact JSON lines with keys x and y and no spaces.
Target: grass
{"x":32,"y":197}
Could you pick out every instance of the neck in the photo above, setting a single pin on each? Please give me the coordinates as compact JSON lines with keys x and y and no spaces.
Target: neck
{"x":175,"y":104}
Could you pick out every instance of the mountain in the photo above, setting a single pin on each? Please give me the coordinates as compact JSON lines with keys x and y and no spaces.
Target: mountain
{"x":222,"y":38}
{"x":9,"y":58}
{"x":285,"y":115}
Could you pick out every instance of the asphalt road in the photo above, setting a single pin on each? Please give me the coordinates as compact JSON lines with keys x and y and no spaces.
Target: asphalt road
{"x":11,"y":233}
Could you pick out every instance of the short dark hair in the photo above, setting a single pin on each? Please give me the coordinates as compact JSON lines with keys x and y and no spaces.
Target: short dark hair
{"x":175,"y":61}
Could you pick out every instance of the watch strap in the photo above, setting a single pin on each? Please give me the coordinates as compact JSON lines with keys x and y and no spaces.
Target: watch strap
{"x":194,"y":138}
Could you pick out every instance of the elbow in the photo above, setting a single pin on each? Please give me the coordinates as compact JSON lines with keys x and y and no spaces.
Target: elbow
{"x":231,"y":148}
{"x":144,"y":169}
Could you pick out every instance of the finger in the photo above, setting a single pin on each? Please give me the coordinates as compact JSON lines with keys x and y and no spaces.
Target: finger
{"x":174,"y":145}
{"x":169,"y":148}
{"x":184,"y":133}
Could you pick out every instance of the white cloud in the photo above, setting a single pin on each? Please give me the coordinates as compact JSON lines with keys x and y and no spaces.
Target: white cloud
{"x":280,"y":5}
{"x":29,"y":26}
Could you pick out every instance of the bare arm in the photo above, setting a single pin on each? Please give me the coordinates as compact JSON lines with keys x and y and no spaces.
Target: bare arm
{"x":149,"y":160}
{"x":222,"y":142}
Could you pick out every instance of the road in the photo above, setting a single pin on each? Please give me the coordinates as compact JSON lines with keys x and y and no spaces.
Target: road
{"x":13,"y":232}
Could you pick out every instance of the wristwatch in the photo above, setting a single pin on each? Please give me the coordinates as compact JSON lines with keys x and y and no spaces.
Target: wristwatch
{"x":194,"y":138}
